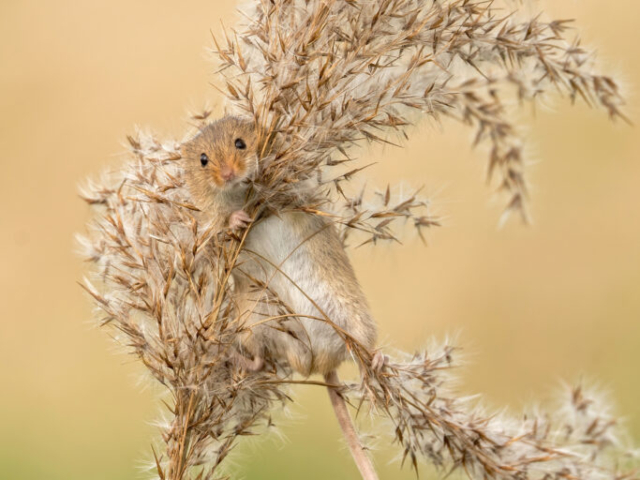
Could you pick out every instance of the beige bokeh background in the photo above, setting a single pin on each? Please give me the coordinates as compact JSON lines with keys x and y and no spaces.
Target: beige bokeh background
{"x":533,"y":305}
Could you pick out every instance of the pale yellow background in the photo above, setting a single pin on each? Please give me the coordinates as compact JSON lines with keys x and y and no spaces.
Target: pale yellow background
{"x":533,"y":304}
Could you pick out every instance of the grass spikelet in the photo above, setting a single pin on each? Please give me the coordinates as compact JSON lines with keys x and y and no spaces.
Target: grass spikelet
{"x":577,"y":439}
{"x":322,"y":76}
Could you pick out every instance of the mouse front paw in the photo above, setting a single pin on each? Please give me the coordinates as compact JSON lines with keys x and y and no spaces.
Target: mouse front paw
{"x":239,"y":219}
{"x":379,"y":361}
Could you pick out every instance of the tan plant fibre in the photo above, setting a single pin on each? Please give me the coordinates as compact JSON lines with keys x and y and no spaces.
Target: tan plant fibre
{"x":319,"y":77}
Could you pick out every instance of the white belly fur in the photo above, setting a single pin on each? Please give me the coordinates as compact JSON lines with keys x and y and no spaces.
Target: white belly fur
{"x":301,"y":259}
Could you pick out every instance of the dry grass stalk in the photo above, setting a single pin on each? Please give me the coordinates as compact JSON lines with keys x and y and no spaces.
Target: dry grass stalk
{"x":320,"y":77}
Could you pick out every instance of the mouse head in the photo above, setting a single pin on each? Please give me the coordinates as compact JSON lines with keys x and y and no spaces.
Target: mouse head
{"x":223,"y":155}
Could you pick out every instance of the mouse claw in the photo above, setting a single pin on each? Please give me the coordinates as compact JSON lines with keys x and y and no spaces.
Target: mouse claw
{"x":239,"y":219}
{"x":379,"y":361}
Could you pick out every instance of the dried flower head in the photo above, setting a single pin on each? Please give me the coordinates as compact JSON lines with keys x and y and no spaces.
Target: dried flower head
{"x":318,"y":77}
{"x":322,"y":76}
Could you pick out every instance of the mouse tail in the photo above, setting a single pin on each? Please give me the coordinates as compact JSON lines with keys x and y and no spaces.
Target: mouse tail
{"x":358,"y":451}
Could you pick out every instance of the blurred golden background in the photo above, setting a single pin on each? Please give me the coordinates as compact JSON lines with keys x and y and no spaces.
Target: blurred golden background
{"x":534,"y":305}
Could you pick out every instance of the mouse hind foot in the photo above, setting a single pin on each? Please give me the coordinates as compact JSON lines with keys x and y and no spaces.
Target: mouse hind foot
{"x":247,"y":364}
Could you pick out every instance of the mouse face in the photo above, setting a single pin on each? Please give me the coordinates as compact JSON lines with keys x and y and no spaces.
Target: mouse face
{"x":223,"y":155}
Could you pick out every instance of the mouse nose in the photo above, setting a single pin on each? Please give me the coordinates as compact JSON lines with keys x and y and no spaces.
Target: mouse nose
{"x":227,"y":173}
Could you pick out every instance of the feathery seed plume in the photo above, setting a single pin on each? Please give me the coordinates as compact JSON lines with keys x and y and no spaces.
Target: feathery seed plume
{"x":319,"y":77}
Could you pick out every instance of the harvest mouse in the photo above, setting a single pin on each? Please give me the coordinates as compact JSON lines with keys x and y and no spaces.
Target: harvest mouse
{"x":298,"y":256}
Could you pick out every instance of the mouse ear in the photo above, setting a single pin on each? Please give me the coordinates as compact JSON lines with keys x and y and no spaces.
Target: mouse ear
{"x":201,"y":128}
{"x":185,"y":144}
{"x":191,"y":136}
{"x":243,"y":121}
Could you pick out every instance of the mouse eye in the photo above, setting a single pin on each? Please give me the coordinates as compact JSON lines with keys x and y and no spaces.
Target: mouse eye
{"x":240,"y":145}
{"x":204,"y":159}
